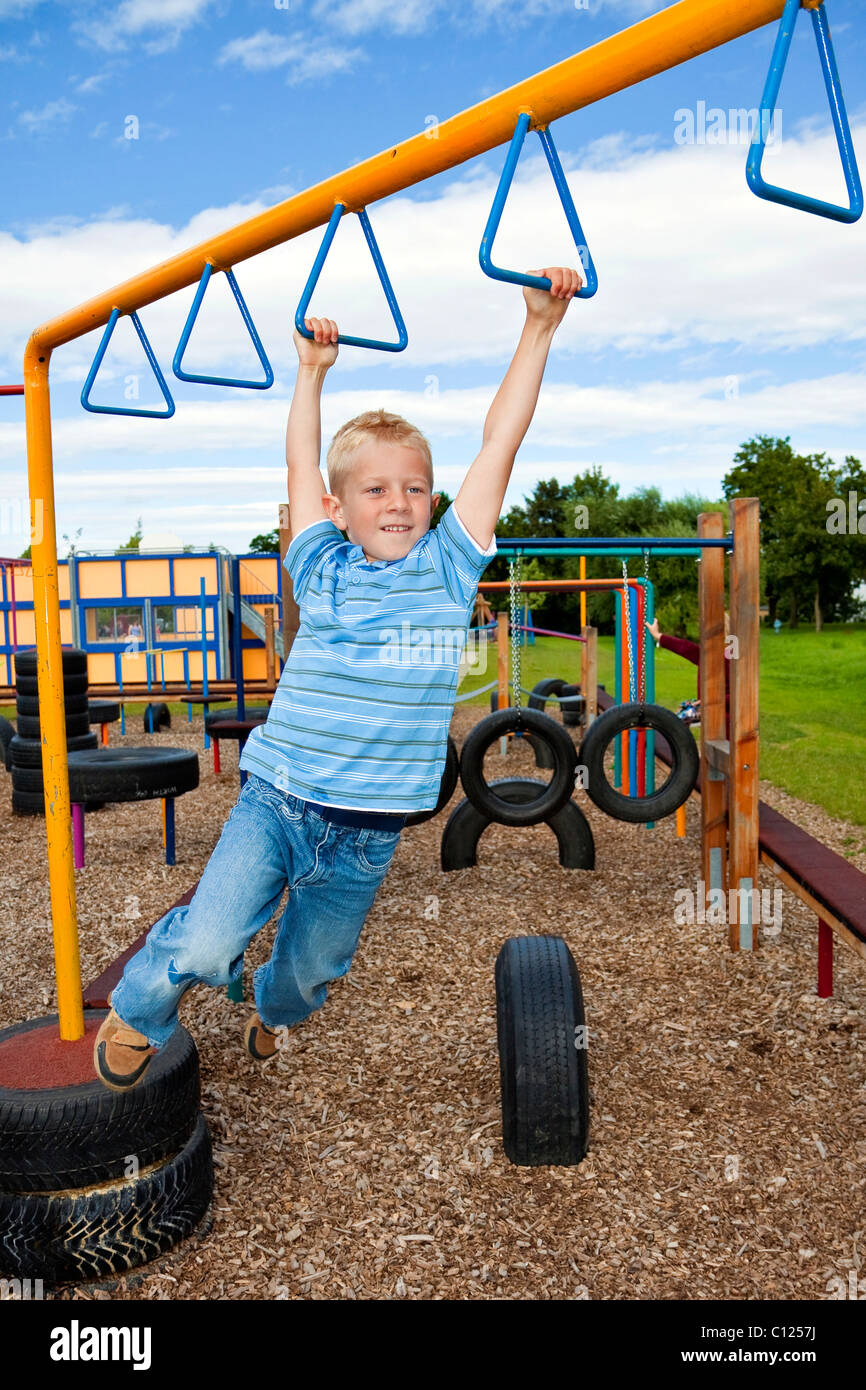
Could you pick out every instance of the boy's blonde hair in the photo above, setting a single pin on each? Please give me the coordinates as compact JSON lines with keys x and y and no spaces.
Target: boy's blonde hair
{"x":373,"y":424}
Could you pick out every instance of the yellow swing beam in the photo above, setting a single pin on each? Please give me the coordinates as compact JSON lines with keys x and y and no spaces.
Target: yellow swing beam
{"x":655,"y":44}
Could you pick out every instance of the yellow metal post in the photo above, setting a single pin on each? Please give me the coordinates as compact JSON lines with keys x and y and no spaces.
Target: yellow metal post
{"x":52,"y":711}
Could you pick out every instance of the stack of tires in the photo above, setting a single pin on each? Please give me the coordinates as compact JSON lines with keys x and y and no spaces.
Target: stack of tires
{"x":93,"y":1181}
{"x":25,"y":749}
{"x":7,"y":733}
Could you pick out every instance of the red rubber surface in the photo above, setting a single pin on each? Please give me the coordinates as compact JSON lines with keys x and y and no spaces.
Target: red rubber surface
{"x":37,"y":1059}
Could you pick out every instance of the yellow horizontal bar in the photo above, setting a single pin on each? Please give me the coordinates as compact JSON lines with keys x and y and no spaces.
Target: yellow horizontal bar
{"x":653,"y":45}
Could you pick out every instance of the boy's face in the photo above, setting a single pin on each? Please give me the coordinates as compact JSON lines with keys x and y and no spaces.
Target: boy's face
{"x":386,"y":504}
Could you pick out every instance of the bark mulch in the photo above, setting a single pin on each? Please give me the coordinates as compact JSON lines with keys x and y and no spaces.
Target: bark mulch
{"x":728,"y":1106}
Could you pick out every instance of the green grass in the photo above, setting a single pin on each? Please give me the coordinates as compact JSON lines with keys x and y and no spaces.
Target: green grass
{"x":813,"y":705}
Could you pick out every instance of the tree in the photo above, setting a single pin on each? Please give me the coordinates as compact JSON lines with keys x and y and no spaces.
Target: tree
{"x":266,"y":544}
{"x":135,"y":539}
{"x":804,"y":562}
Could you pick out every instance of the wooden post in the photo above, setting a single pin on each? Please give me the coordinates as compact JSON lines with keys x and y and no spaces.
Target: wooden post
{"x":291,"y":612}
{"x":711,"y":605}
{"x":270,"y":652}
{"x":589,"y":674}
{"x":503,"y":700}
{"x":743,"y":774}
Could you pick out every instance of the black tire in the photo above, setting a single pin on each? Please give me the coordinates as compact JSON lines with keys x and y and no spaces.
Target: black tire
{"x":449,"y":781}
{"x":156,"y":717}
{"x":27,"y":752}
{"x":674,"y":791}
{"x":72,"y":685}
{"x":466,"y":825}
{"x":573,"y":706}
{"x":546,"y":730}
{"x":103,"y":711}
{"x":76,"y":1136}
{"x":92,"y":1233}
{"x":250,"y":712}
{"x":29,"y":705}
{"x":28,"y":803}
{"x":132,"y":774}
{"x":76,"y":724}
{"x":543,"y":690}
{"x":74,"y":661}
{"x":543,"y":1072}
{"x":30,"y":780}
{"x":7,"y":733}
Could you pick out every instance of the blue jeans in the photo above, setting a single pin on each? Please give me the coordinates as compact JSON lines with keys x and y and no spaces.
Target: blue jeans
{"x":270,"y":839}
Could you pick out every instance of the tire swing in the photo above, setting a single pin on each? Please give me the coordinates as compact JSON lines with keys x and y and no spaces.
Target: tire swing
{"x":674,"y":791}
{"x":450,"y":777}
{"x":467,"y":824}
{"x":538,"y":728}
{"x":540,"y":697}
{"x":552,"y":796}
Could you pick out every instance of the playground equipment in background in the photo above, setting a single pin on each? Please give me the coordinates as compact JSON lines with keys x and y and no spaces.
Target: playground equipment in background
{"x":657,"y":43}
{"x":643,"y":716}
{"x":130,"y":774}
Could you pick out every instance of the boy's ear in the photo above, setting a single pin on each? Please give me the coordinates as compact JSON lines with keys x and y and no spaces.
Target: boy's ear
{"x":434,"y":502}
{"x":334,"y":507}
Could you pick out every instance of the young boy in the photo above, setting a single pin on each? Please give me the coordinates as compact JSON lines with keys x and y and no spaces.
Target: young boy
{"x":356,"y":737}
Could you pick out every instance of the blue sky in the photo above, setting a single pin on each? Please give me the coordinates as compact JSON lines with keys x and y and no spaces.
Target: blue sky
{"x":718,"y":315}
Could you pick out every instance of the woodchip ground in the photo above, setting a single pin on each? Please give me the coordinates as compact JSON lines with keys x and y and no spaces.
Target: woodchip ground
{"x":728,"y":1104}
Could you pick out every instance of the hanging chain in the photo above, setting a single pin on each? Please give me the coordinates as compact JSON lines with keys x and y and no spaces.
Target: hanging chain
{"x":514,"y":591}
{"x":646,"y":575}
{"x":626,"y":611}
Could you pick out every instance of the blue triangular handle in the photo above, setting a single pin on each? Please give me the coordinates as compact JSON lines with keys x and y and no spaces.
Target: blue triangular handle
{"x":97,"y":362}
{"x":300,"y":312}
{"x":837,"y":109}
{"x":516,"y":277}
{"x":177,"y":367}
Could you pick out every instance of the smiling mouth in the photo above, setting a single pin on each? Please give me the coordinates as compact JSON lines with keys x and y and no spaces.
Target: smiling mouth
{"x":396,"y":529}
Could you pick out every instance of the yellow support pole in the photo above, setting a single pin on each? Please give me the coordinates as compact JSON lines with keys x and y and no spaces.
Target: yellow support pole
{"x":653,"y":45}
{"x":583,"y":596}
{"x":52,"y":712}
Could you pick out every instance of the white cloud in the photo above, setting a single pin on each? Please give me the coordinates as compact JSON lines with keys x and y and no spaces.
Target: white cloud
{"x":92,"y":84}
{"x":303,"y":58}
{"x":49,"y":114}
{"x":698,"y":280}
{"x":413,"y":17}
{"x":358,"y":16}
{"x":157,"y":24}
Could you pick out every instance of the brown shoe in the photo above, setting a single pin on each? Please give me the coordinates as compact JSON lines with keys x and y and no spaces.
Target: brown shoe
{"x":121,"y":1056}
{"x":259,"y":1040}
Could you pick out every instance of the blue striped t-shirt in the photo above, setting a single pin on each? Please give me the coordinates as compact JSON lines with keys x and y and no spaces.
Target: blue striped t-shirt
{"x":361,"y":713}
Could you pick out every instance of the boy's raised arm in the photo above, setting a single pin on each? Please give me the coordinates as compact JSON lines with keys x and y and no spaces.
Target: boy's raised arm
{"x":304,"y":429}
{"x":479,"y":501}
